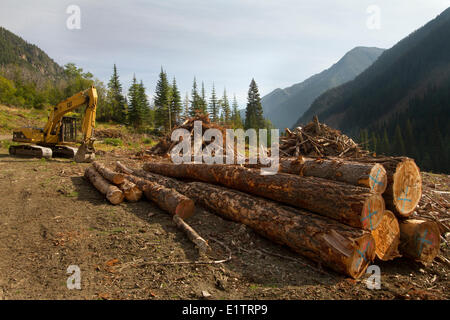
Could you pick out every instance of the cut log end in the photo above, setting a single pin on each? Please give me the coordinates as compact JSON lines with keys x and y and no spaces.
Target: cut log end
{"x":133,"y":194}
{"x":378,"y":179}
{"x":419,"y":239}
{"x":115,"y":196}
{"x":185,"y":209}
{"x":387,"y":237}
{"x":362,"y":256}
{"x":372,"y":213}
{"x":407,"y":187}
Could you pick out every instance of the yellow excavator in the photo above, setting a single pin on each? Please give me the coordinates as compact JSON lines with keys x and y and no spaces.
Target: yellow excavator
{"x":60,"y":131}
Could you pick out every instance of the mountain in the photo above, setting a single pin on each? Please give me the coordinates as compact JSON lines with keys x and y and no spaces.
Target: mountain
{"x":401,"y":103}
{"x":283,"y":106}
{"x":17,"y":54}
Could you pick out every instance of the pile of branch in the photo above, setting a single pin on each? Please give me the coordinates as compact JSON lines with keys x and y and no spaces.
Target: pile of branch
{"x":165,"y":144}
{"x":318,"y":140}
{"x":108,"y":133}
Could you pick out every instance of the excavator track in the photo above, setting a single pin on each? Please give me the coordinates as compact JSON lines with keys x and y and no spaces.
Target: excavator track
{"x":31,"y":151}
{"x":64,"y":151}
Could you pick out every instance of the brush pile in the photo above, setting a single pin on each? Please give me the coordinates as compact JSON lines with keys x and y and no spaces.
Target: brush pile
{"x":165,"y":144}
{"x":108,"y":133}
{"x":318,"y":140}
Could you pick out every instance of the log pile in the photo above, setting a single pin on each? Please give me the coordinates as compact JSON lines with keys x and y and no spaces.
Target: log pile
{"x":165,"y":144}
{"x":318,"y":140}
{"x":341,"y":209}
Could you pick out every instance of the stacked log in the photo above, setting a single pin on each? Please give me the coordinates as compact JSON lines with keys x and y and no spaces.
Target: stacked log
{"x":369,"y":175}
{"x":419,"y":239}
{"x":345,"y":249}
{"x":351,"y":205}
{"x":387,"y":237}
{"x":112,"y":193}
{"x":167,"y":199}
{"x":131,"y":192}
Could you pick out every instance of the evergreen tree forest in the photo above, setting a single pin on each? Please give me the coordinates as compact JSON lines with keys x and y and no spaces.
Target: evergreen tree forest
{"x":416,"y":132}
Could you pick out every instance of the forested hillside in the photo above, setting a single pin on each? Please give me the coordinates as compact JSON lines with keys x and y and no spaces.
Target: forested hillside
{"x":284,"y":106}
{"x":399,"y":105}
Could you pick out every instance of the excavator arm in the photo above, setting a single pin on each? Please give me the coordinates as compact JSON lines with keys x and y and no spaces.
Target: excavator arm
{"x":87,"y":97}
{"x":50,"y":139}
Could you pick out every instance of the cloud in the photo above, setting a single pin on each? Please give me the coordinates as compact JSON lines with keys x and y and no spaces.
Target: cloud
{"x":226,"y":41}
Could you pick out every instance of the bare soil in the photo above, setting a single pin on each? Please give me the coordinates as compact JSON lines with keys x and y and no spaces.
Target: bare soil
{"x":51,"y":218}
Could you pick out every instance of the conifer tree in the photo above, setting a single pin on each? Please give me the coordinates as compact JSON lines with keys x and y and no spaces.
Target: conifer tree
{"x":236,"y":115}
{"x":135,"y":111}
{"x":162,"y":101}
{"x":196,"y":104}
{"x":226,"y":110}
{"x":175,"y":104}
{"x":186,"y":107}
{"x":203,"y":103}
{"x":115,"y":99}
{"x":254,"y":113}
{"x":214,"y":106}
{"x":145,"y":112}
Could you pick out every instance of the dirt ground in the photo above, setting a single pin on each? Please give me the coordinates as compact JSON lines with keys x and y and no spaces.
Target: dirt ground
{"x":51,"y":218}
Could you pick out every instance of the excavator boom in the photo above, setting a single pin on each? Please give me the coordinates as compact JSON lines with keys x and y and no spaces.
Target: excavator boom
{"x":52,"y":139}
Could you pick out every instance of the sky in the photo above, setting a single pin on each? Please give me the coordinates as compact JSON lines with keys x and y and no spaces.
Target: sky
{"x":225,"y":42}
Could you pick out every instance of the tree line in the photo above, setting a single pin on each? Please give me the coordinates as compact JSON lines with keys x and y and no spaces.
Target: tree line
{"x":166,"y":110}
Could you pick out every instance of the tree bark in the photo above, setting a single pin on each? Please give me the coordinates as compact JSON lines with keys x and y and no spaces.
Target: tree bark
{"x":419,"y":239}
{"x":108,"y":174}
{"x":369,"y":175}
{"x":113,"y":194}
{"x":319,"y":238}
{"x":387,"y":237}
{"x":352,"y":205}
{"x":168,"y":199}
{"x":201,"y":244}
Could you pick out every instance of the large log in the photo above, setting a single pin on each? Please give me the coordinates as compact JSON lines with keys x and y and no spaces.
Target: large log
{"x":404,"y":185}
{"x":168,"y":199}
{"x":387,"y":237}
{"x":342,"y":248}
{"x":352,"y":205}
{"x":108,"y":174}
{"x":370,"y":175}
{"x":419,"y":239}
{"x":113,"y":194}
